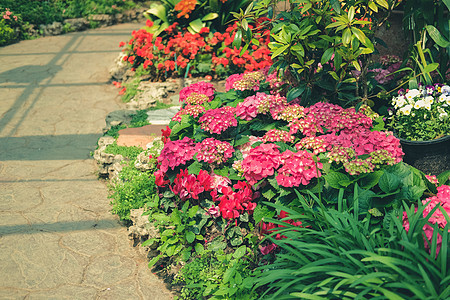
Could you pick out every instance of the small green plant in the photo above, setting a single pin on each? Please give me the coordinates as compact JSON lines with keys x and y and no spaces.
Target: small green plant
{"x":131,"y":90}
{"x":6,"y":33}
{"x":216,"y":275}
{"x":133,"y":190}
{"x":127,"y":152}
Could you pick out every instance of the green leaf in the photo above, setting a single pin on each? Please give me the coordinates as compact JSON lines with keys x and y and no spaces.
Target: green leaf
{"x":242,"y":140}
{"x":190,"y":236}
{"x":237,"y":40}
{"x":327,"y":55}
{"x":334,"y":179}
{"x":371,"y":180}
{"x":347,"y":36}
{"x":295,"y":92}
{"x":382,"y":3}
{"x":444,"y":177}
{"x":240,"y":252}
{"x":154,"y":260}
{"x":373,"y":6}
{"x":430,"y":68}
{"x":197,"y":25}
{"x":195,"y":168}
{"x":221,"y":172}
{"x":192,"y":211}
{"x":199,"y":248}
{"x":359,"y":34}
{"x":351,"y":13}
{"x":389,"y":182}
{"x":210,"y":16}
{"x":356,"y":65}
{"x":269,"y":194}
{"x":158,"y":11}
{"x":437,"y":37}
{"x":279,"y":51}
{"x":175,"y":217}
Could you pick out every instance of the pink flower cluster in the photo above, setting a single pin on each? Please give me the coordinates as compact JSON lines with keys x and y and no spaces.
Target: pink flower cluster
{"x":191,"y":110}
{"x":176,"y":153}
{"x":188,"y":186}
{"x":218,"y":120}
{"x":248,"y":109}
{"x":195,"y":98}
{"x":271,"y":102}
{"x":442,"y":198}
{"x":298,"y":169}
{"x":245,"y":81}
{"x":316,"y":144}
{"x":277,"y":135}
{"x":202,"y":87}
{"x":234,"y":203}
{"x":261,"y":162}
{"x":289,"y":112}
{"x":383,"y":149}
{"x":213,"y":151}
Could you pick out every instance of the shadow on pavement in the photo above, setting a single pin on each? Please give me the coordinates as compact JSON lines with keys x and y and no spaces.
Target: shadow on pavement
{"x":48,"y":147}
{"x":58,"y":227}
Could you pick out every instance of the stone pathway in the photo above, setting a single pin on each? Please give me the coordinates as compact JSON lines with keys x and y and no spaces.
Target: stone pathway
{"x":58,"y":239}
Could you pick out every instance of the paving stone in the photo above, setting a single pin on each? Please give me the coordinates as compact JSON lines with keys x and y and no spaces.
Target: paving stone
{"x":162,"y":116}
{"x":140,"y":136}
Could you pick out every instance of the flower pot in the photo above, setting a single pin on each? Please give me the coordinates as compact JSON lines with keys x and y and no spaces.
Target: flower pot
{"x":431,"y":157}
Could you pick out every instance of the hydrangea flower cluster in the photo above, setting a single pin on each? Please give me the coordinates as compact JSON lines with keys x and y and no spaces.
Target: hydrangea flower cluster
{"x":213,"y":151}
{"x":176,"y":153}
{"x":245,"y":81}
{"x":234,"y":203}
{"x":271,"y":102}
{"x":442,"y":198}
{"x":248,"y":109}
{"x":191,"y":110}
{"x":196,"y":99}
{"x":277,"y":135}
{"x":261,"y":162}
{"x":316,"y":144}
{"x":383,"y":148}
{"x":289,"y":113}
{"x":199,"y":88}
{"x":218,"y":120}
{"x":298,"y":169}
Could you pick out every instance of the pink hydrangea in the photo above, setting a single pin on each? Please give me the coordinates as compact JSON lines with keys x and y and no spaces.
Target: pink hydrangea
{"x":442,"y":198}
{"x":176,"y":153}
{"x":220,"y":181}
{"x":289,"y":113}
{"x":191,"y":110}
{"x":316,"y":144}
{"x":202,"y":87}
{"x":261,"y":162}
{"x":196,"y":99}
{"x":248,"y":109}
{"x":214,"y":151}
{"x":245,"y":81}
{"x":218,"y":120}
{"x":277,"y":135}
{"x":245,"y":148}
{"x":298,"y":169}
{"x":271,"y":102}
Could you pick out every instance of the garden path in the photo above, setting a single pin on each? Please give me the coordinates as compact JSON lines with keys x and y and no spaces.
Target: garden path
{"x":58,"y":239}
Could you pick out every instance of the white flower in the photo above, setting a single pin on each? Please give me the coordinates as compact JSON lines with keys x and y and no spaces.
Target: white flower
{"x":443,"y":116}
{"x":429,"y":99}
{"x":442,"y":98}
{"x":406,"y":110}
{"x":419,"y":104}
{"x":411,"y":94}
{"x":428,"y":106}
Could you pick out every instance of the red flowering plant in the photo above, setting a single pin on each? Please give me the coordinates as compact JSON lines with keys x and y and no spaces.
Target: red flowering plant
{"x":182,"y":53}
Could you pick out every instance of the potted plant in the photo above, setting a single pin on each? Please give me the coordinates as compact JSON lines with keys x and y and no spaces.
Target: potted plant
{"x":420,"y":118}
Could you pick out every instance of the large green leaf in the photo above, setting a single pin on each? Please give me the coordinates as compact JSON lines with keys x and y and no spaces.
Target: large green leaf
{"x":210,"y":16}
{"x":158,"y":11}
{"x":334,"y":179}
{"x":196,"y":25}
{"x":389,"y":183}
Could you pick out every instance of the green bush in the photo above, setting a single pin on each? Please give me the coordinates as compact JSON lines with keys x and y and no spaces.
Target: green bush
{"x":7,"y":35}
{"x":133,"y":190}
{"x":127,"y":152}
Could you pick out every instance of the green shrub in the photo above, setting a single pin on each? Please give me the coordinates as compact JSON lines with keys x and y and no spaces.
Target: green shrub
{"x":7,"y":35}
{"x":133,"y":190}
